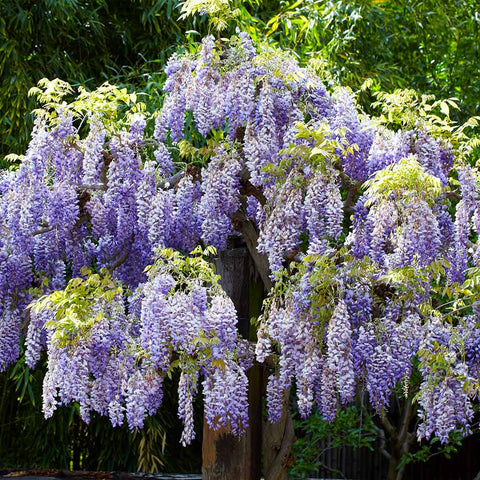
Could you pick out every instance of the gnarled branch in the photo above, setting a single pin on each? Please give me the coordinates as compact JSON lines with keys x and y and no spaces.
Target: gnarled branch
{"x":243,"y":225}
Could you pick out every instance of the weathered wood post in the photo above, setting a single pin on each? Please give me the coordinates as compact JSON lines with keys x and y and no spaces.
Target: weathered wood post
{"x":277,"y":444}
{"x":225,"y":456}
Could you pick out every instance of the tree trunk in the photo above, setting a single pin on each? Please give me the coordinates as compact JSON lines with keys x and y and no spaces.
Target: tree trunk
{"x":401,"y":440}
{"x":394,"y":472}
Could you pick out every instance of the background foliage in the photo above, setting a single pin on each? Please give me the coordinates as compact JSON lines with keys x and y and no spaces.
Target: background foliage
{"x":429,"y":45}
{"x":432,"y":46}
{"x":74,"y":444}
{"x":82,"y":42}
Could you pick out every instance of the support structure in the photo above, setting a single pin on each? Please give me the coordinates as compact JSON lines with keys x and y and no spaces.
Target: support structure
{"x":225,"y":456}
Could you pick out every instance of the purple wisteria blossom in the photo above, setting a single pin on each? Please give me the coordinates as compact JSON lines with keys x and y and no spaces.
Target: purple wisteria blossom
{"x":323,"y":210}
{"x":220,"y":184}
{"x":280,"y":234}
{"x":358,"y":133}
{"x":339,"y":354}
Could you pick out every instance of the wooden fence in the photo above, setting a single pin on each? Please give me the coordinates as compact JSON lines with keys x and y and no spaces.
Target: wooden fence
{"x":363,"y":464}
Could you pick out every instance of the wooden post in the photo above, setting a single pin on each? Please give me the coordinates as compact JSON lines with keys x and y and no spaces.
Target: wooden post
{"x":277,"y":444}
{"x":224,"y":456}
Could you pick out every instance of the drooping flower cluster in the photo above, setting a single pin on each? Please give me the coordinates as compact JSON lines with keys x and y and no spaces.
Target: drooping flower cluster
{"x":402,"y":227}
{"x":467,"y":208}
{"x":292,"y":332}
{"x":322,"y":367}
{"x":220,"y":198}
{"x":446,"y":392}
{"x":323,"y":214}
{"x":115,"y":361}
{"x":339,"y":354}
{"x":280,"y":235}
{"x":359,"y":133}
{"x":10,"y":324}
{"x":383,"y":354}
{"x":419,"y":240}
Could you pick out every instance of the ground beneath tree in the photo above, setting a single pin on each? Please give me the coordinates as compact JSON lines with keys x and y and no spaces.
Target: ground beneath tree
{"x":49,"y":474}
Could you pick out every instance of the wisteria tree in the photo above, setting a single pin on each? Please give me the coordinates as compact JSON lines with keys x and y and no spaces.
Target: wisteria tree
{"x":364,"y":232}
